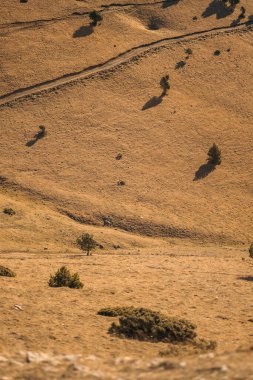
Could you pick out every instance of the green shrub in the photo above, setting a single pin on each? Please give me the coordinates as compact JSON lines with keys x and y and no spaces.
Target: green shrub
{"x":95,"y":17}
{"x":42,"y":132}
{"x":86,"y":243}
{"x":147,"y":325}
{"x":214,"y":155}
{"x":9,"y":211}
{"x":164,"y":83}
{"x":117,"y":311}
{"x":75,"y":282}
{"x":188,"y":51}
{"x":6,"y":272}
{"x":251,"y":250}
{"x":63,"y":277}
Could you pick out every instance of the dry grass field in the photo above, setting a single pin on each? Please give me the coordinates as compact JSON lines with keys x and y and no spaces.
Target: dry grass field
{"x":117,"y":148}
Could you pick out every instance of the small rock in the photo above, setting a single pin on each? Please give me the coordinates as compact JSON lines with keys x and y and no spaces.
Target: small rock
{"x":17,"y":307}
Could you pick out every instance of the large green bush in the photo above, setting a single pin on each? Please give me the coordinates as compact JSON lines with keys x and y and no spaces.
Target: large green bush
{"x":148,"y":325}
{"x":63,"y":277}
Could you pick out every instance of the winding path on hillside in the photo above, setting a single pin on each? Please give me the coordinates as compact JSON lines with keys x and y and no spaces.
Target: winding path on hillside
{"x":125,"y":57}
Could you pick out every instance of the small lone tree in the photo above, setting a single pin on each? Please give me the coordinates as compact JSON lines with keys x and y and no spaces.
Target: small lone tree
{"x":164,"y":83}
{"x":214,"y":155}
{"x":95,"y":17}
{"x":86,"y":243}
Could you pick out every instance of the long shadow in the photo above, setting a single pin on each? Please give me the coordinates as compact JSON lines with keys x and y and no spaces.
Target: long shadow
{"x":37,"y":137}
{"x":153,"y":102}
{"x":250,"y":20}
{"x":168,"y":3}
{"x":83,"y":31}
{"x":246,"y":278}
{"x":180,"y":65}
{"x":203,"y":171}
{"x":216,"y":7}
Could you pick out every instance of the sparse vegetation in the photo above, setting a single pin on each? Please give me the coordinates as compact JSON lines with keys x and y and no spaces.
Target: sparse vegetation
{"x":230,"y":3}
{"x":149,"y":325}
{"x":119,"y":156}
{"x":42,"y":132}
{"x":6,"y":272}
{"x":180,"y":64}
{"x":251,"y":250}
{"x":121,"y":183}
{"x":9,"y":211}
{"x":196,"y":346}
{"x":214,"y":155}
{"x":217,"y":52}
{"x":63,"y":277}
{"x":96,"y":17}
{"x":188,"y":51}
{"x":164,"y":83}
{"x":86,"y":243}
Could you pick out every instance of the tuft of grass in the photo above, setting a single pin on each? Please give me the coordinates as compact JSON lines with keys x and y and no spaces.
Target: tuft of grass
{"x":9,"y":211}
{"x":63,"y":277}
{"x":148,"y":325}
{"x":198,"y":346}
{"x":6,"y":272}
{"x":188,"y":51}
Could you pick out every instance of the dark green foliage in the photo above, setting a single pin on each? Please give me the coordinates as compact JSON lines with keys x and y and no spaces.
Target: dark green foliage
{"x":75,"y":282}
{"x":164,"y":83}
{"x":6,"y":272}
{"x":86,"y":243}
{"x":95,"y":17}
{"x":117,"y":311}
{"x":251,"y":250}
{"x":42,"y":132}
{"x":9,"y":211}
{"x":214,"y":155}
{"x":148,"y":325}
{"x":188,"y":51}
{"x":217,"y":52}
{"x":63,"y":277}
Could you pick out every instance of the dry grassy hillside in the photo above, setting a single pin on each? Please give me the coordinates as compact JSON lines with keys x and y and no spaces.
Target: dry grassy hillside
{"x":117,"y":147}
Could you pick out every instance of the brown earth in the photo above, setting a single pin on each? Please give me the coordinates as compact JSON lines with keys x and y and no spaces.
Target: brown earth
{"x":179,"y":234}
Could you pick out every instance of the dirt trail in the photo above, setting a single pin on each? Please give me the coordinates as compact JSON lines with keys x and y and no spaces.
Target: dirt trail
{"x":123,"y":58}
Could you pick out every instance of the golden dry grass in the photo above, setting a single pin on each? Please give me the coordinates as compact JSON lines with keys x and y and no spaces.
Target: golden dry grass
{"x":182,"y":242}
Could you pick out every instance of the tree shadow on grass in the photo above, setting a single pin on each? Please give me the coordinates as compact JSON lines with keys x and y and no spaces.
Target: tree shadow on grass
{"x":37,"y":137}
{"x":216,"y":7}
{"x":203,"y":171}
{"x":83,"y":31}
{"x":250,"y":20}
{"x":246,"y":278}
{"x":180,"y":65}
{"x":153,"y":102}
{"x":168,"y":3}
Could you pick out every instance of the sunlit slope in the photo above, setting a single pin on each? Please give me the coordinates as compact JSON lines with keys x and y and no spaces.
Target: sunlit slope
{"x":89,"y":123}
{"x":41,"y":41}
